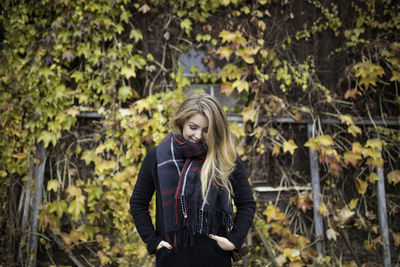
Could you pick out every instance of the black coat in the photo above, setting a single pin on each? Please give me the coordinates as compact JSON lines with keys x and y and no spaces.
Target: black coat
{"x":147,"y":183}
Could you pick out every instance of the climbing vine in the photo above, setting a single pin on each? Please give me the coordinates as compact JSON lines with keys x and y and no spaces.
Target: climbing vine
{"x":308,"y":61}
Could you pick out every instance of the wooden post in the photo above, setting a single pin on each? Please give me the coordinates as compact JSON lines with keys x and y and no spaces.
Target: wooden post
{"x":383,"y":224}
{"x":26,"y":207}
{"x":38,"y":178}
{"x":316,"y":191}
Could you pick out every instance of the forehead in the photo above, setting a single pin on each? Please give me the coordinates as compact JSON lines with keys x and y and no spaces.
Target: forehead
{"x":199,"y":119}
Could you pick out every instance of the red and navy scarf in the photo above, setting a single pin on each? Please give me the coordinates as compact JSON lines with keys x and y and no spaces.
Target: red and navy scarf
{"x":185,"y":212}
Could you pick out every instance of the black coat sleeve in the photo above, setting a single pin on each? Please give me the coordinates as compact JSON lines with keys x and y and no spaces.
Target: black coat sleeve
{"x":139,"y":202}
{"x":245,"y":205}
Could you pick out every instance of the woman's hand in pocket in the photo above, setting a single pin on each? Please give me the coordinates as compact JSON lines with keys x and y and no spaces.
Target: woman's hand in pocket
{"x":163,"y":244}
{"x":223,"y":242}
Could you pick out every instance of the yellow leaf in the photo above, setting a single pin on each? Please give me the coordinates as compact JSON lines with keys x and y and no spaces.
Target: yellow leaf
{"x":346,"y":119}
{"x":75,"y":209}
{"x":375,"y":162}
{"x":354,"y":130}
{"x":372,"y":178}
{"x":395,"y":76}
{"x":297,"y":263}
{"x":396,"y":238}
{"x":273,"y":131}
{"x":73,"y":111}
{"x":227,"y":36}
{"x":323,"y":209}
{"x":19,"y":156}
{"x":291,"y":254}
{"x":74,"y":191}
{"x":362,"y":186}
{"x":374,"y":143}
{"x":352,"y":158}
{"x":357,"y":148}
{"x":325,"y":140}
{"x":47,"y":137}
{"x":311,"y":144}
{"x":350,"y":264}
{"x":249,"y":113}
{"x":241,"y":85}
{"x":52,"y":185}
{"x":224,"y":52}
{"x":128,"y":72}
{"x":353,"y":203}
{"x":289,"y":146}
{"x":273,"y":213}
{"x":246,"y":54}
{"x":372,"y":153}
{"x":277,"y":150}
{"x":394,"y":177}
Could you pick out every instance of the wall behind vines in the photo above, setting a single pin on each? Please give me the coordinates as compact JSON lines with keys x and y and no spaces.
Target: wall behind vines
{"x":305,"y":60}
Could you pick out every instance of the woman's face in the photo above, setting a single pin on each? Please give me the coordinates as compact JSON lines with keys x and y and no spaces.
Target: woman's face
{"x":195,"y":128}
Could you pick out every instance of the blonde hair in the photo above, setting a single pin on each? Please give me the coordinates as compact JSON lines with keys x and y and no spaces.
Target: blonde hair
{"x":221,"y":155}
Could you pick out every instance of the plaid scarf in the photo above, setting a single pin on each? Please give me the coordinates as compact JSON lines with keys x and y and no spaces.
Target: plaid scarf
{"x":185,"y":212}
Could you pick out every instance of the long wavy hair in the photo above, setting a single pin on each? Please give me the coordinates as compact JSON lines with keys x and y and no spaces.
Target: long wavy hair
{"x":221,"y":142}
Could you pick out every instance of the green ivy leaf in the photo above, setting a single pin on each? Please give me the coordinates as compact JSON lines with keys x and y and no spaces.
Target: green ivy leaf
{"x":186,"y":25}
{"x":58,"y":206}
{"x":136,"y":34}
{"x":124,"y":93}
{"x":128,"y":72}
{"x":75,"y":209}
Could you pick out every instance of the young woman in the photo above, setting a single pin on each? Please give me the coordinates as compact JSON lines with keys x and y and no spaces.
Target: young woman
{"x":195,"y":173}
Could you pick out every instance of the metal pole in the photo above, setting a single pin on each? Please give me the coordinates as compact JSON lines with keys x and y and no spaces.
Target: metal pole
{"x":383,"y":224}
{"x":314,"y":169}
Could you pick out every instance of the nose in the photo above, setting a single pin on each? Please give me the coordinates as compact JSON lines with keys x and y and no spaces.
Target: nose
{"x":198,"y":135}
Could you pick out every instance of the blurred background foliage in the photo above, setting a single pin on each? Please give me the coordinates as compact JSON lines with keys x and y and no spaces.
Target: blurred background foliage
{"x":94,"y":82}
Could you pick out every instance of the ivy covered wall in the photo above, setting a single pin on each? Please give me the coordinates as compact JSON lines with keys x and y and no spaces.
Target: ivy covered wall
{"x":309,"y":61}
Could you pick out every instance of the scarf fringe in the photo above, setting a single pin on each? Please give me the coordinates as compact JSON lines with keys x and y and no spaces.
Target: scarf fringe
{"x":184,"y":237}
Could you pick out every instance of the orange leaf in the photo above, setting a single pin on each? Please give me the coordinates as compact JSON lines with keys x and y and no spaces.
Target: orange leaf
{"x":303,"y":202}
{"x":227,"y":88}
{"x":352,"y":93}
{"x":273,"y":213}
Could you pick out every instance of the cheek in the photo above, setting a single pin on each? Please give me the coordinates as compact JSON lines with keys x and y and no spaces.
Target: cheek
{"x":186,"y":131}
